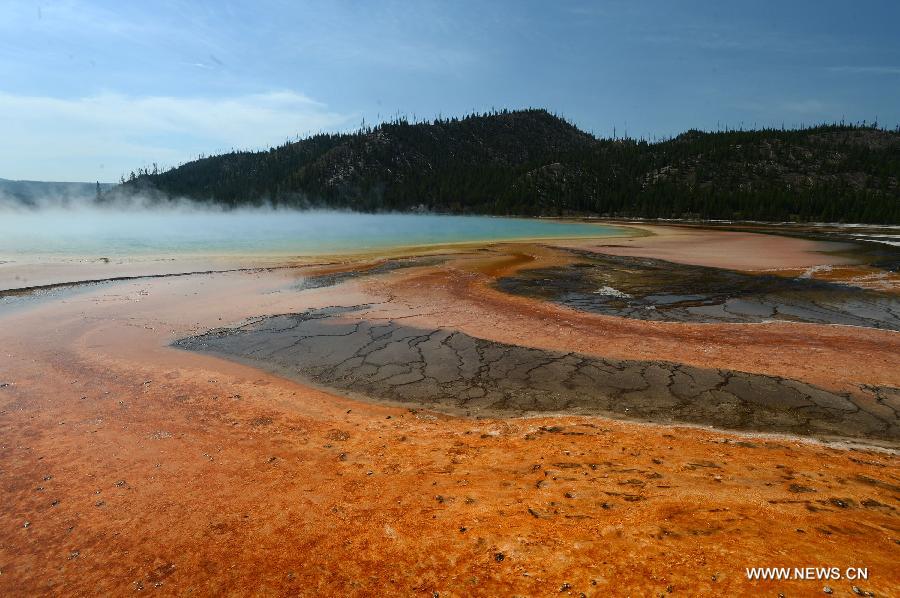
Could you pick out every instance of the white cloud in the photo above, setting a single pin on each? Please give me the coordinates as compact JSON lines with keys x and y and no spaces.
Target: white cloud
{"x":808,"y":106}
{"x":48,"y":138}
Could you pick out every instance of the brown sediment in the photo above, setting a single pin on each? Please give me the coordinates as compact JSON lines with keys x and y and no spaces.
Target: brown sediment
{"x":498,"y":266}
{"x":743,"y":247}
{"x":138,"y":466}
{"x":724,"y":249}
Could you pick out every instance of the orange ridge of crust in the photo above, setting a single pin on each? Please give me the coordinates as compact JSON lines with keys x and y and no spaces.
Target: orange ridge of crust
{"x":139,"y":467}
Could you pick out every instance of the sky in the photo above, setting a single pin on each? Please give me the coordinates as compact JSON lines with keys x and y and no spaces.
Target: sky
{"x":92,"y":90}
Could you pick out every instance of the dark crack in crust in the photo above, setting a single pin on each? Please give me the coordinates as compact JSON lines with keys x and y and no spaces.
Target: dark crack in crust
{"x":335,"y":278}
{"x":453,"y":372}
{"x":652,"y":289}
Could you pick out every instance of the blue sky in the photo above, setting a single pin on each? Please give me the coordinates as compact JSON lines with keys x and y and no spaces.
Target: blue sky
{"x":91,"y":90}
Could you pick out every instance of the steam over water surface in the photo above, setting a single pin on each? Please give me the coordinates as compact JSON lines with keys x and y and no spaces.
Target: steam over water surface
{"x":92,"y":232}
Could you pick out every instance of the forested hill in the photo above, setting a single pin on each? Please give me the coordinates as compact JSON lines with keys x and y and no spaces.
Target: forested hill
{"x":40,"y":193}
{"x":533,"y":163}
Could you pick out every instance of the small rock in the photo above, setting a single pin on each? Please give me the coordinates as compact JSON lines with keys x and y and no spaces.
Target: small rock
{"x":827,"y":590}
{"x":499,"y":557}
{"x":26,"y":524}
{"x":565,"y":587}
{"x":74,"y":554}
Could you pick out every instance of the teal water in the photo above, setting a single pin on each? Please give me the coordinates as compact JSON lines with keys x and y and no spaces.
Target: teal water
{"x":95,"y":232}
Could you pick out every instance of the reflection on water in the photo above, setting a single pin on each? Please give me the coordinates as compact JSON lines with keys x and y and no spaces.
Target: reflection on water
{"x":97,"y":232}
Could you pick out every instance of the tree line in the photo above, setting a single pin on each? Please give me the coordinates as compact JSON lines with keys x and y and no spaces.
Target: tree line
{"x":531,"y":162}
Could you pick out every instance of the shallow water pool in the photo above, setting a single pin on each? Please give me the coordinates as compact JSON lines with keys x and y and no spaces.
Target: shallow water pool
{"x":118,"y":233}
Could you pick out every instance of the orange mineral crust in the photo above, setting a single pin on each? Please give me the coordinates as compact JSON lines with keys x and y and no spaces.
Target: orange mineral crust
{"x":127,"y":464}
{"x":461,"y":296}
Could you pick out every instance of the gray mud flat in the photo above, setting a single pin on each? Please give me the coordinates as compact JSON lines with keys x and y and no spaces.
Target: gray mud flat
{"x":453,"y":372}
{"x":651,"y":289}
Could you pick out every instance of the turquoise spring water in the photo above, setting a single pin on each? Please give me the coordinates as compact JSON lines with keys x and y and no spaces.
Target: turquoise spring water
{"x":94,"y":232}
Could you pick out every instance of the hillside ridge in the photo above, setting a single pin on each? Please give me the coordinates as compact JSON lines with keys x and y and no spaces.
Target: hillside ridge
{"x":531,"y":162}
